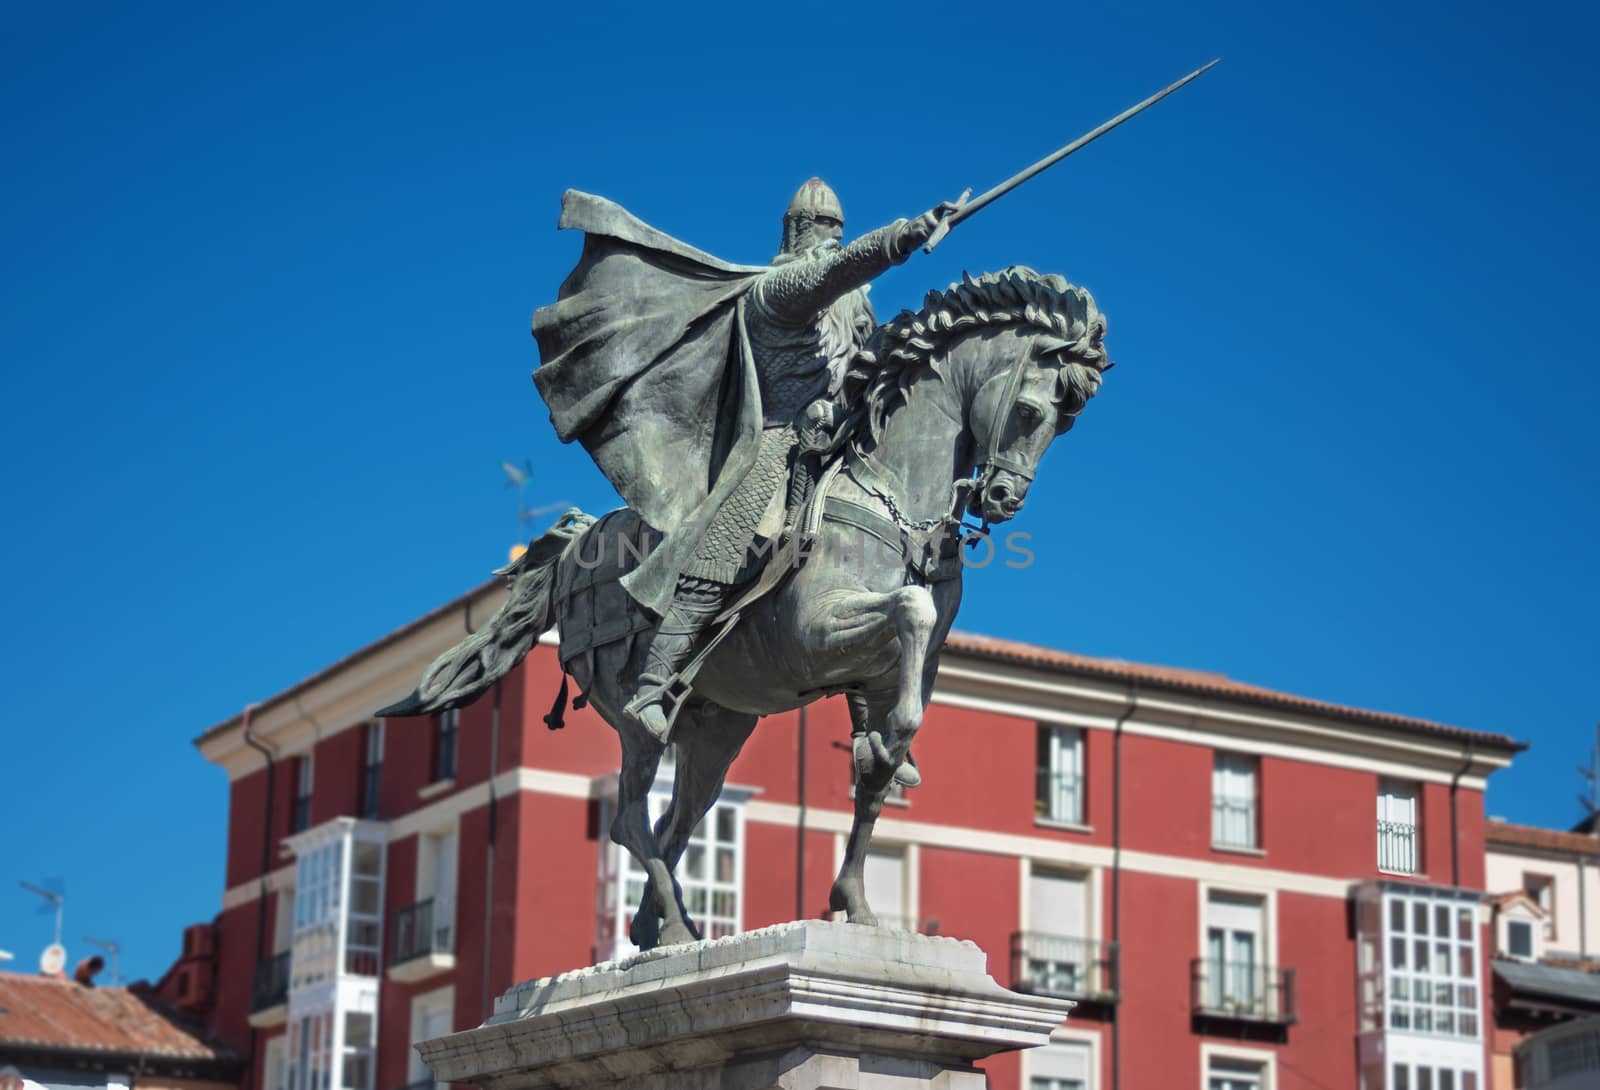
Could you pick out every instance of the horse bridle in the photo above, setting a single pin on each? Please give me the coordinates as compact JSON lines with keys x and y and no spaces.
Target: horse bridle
{"x":995,"y":459}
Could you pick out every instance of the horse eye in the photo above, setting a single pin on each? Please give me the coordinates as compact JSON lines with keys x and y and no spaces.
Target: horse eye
{"x":1030,"y":414}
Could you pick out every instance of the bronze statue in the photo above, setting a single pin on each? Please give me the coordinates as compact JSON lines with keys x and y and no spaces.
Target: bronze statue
{"x":797,"y":480}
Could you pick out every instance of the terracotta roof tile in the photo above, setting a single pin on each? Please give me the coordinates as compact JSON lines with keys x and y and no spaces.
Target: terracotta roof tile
{"x":1503,"y":834}
{"x":1208,"y":684}
{"x":993,"y":647}
{"x":49,"y":1012}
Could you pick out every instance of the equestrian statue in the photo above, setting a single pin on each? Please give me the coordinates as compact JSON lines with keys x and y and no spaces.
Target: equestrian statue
{"x":797,"y":478}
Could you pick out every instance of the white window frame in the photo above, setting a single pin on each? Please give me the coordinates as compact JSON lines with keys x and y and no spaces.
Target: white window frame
{"x":1091,"y":877}
{"x":1064,"y":757}
{"x":445,"y":998}
{"x":1545,"y":898}
{"x":429,"y":886}
{"x":1077,"y":1038}
{"x":1268,"y":939}
{"x":274,"y":1063}
{"x":1265,"y":1059}
{"x":1409,"y":978}
{"x":1391,"y":854}
{"x":1228,"y":768}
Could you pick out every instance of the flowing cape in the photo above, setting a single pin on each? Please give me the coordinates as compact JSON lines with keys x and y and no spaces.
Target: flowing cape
{"x":644,"y":359}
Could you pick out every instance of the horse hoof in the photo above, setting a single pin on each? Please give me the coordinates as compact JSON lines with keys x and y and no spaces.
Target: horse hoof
{"x":865,"y":919}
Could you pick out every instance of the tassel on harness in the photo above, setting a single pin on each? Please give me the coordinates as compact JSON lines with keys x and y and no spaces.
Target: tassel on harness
{"x":557,"y":719}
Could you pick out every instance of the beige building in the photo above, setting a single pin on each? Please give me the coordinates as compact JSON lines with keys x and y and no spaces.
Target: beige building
{"x":1560,"y":873}
{"x":1544,"y":936}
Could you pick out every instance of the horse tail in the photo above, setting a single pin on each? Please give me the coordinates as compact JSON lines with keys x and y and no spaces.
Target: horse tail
{"x":467,"y":670}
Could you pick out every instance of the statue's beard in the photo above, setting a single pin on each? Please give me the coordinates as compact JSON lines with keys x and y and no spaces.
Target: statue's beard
{"x":809,"y":245}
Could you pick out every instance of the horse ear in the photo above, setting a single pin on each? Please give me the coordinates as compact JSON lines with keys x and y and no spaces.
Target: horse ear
{"x":1049,"y":346}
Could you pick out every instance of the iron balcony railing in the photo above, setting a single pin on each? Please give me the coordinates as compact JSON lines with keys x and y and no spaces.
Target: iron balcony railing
{"x":1059,"y":796}
{"x":1397,"y":847}
{"x":1245,"y":990}
{"x":271,"y":983}
{"x":1233,"y":823}
{"x":1069,"y":967}
{"x":427,"y":927}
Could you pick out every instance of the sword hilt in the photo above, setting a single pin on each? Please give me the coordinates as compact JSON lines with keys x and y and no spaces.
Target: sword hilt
{"x":942,"y":228}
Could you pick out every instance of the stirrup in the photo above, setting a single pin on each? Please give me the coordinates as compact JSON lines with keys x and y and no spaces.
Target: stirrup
{"x":670,"y":695}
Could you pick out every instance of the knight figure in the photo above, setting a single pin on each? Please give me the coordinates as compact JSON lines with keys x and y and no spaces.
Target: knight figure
{"x":703,"y":391}
{"x":805,"y":319}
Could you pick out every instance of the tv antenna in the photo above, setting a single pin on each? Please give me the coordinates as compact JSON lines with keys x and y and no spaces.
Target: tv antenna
{"x":112,"y":949}
{"x":56,"y":899}
{"x":1590,"y":799}
{"x":519,"y":477}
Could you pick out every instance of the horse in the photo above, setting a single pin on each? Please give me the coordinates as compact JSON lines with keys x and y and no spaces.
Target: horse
{"x":951,"y":408}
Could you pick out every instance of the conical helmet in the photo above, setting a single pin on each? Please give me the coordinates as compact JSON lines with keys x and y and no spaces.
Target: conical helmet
{"x":815,"y":198}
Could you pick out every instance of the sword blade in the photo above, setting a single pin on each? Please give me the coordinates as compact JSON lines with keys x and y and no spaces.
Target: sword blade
{"x":1055,"y":157}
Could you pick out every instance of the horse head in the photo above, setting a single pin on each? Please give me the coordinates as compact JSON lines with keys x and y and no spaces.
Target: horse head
{"x":1022,"y":353}
{"x":1031,"y":382}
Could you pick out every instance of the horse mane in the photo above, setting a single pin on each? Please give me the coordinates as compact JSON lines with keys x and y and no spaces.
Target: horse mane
{"x":879,"y":375}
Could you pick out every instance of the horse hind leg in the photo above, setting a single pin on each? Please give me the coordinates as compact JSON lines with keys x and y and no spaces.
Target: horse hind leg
{"x":641,"y":755}
{"x":709,"y":740}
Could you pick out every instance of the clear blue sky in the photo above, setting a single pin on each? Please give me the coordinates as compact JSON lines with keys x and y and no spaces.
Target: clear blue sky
{"x":268,"y":276}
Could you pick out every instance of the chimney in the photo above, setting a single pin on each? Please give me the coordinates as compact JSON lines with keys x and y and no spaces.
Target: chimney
{"x":87,"y":968}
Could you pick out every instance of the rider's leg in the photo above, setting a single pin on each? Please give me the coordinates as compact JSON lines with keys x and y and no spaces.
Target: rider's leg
{"x":695,"y":604}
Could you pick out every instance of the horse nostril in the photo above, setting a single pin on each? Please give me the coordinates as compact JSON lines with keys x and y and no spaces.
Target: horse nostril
{"x":1000,"y":493}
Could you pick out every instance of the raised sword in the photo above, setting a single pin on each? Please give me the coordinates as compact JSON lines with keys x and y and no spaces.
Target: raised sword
{"x":965,"y":208}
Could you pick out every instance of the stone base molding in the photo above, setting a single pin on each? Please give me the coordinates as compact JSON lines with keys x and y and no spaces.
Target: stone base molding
{"x":811,"y":1005}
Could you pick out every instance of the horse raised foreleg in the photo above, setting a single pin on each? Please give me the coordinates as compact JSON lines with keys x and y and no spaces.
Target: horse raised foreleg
{"x":707,"y":743}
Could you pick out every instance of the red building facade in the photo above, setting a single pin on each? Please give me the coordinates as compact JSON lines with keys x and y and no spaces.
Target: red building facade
{"x":1242,"y":888}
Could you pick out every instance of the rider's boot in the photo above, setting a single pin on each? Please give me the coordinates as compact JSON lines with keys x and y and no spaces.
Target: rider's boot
{"x":695,"y":604}
{"x":866,"y":756}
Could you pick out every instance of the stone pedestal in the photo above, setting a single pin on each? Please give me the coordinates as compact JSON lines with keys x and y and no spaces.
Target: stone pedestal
{"x":803,"y":1006}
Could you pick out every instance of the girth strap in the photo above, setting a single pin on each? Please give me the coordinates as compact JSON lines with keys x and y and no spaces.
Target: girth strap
{"x":849,"y":513}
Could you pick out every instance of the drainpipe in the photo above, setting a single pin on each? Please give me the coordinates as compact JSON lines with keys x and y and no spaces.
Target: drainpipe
{"x":800,"y":825}
{"x":1455,"y":836}
{"x":1116,"y":874}
{"x":488,"y":880}
{"x":266,"y":867}
{"x":1583,"y":912}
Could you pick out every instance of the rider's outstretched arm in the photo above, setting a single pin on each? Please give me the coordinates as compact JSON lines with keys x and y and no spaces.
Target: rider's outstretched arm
{"x":798,"y":291}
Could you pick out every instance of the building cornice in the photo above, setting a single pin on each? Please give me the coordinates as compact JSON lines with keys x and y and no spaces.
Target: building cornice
{"x":977,"y":672}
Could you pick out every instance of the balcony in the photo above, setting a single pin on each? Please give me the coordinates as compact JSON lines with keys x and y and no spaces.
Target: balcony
{"x":1397,"y":847}
{"x":269,"y":995}
{"x":1070,"y":968}
{"x":422,"y":940}
{"x":1243,"y":991}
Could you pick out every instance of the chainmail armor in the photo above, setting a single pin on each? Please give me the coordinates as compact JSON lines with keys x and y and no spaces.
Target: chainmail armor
{"x":804,"y":322}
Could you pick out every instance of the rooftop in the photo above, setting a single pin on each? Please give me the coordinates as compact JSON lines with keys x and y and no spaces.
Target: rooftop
{"x":994,"y":648}
{"x":1504,"y":834}
{"x":1205,"y":683}
{"x":42,"y":1012}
